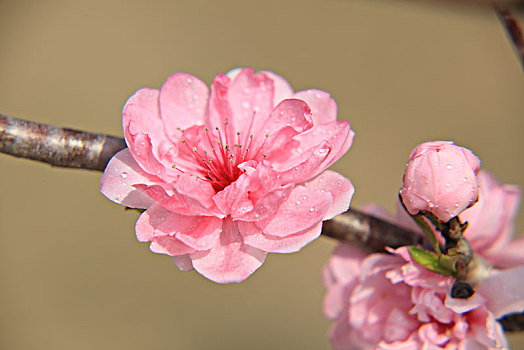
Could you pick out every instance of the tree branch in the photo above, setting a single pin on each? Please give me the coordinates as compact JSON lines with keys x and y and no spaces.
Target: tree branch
{"x":84,"y":150}
{"x":512,"y":27}
{"x":57,"y":146}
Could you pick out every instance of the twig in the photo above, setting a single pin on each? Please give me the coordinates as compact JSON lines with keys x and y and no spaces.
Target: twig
{"x":512,"y":27}
{"x":83,"y":150}
{"x":57,"y":146}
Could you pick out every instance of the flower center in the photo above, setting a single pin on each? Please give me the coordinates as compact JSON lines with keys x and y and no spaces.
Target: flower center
{"x":217,"y":158}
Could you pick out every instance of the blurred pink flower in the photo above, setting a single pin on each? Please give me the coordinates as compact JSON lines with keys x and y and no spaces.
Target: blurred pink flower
{"x":382,"y":301}
{"x":229,"y":174}
{"x":440,"y":178}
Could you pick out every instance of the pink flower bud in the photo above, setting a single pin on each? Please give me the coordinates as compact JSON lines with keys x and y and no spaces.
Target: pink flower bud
{"x":440,"y":178}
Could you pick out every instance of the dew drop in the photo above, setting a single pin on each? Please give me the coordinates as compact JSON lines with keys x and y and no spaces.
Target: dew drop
{"x":298,"y":202}
{"x":448,"y":185}
{"x":189,"y":80}
{"x":304,"y":198}
{"x":311,"y":209}
{"x":465,"y":179}
{"x":124,"y":175}
{"x":449,"y":167}
{"x":245,"y":105}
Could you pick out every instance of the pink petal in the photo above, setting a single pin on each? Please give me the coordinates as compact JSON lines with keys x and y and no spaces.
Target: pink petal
{"x":323,"y":107}
{"x":219,"y":109}
{"x":254,"y":237}
{"x":492,"y":219}
{"x":144,"y":131}
{"x":118,"y":179}
{"x":282,"y":89}
{"x":234,"y":198}
{"x":170,"y":246}
{"x":290,"y":112}
{"x":303,"y":209}
{"x":183,"y":103}
{"x":183,"y":262}
{"x":197,"y":190}
{"x":175,"y":202}
{"x":511,"y":256}
{"x":250,"y":96}
{"x":267,"y":205}
{"x":305,"y":167}
{"x":503,"y":291}
{"x":162,"y":226}
{"x":288,"y":119}
{"x":336,"y":300}
{"x":230,"y":260}
{"x":338,"y":136}
{"x":340,"y":188}
{"x":345,"y":263}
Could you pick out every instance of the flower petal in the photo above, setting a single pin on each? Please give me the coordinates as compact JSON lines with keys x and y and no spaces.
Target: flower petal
{"x":503,"y":291}
{"x":323,"y":107}
{"x":337,"y":134}
{"x":282,"y":89}
{"x":254,"y":237}
{"x":250,"y":97}
{"x":303,"y":209}
{"x":306,"y":166}
{"x":340,"y":188}
{"x":183,"y":103}
{"x":156,"y":225}
{"x":175,"y":202}
{"x":183,"y":262}
{"x":118,"y":179}
{"x":230,"y":260}
{"x":144,"y":130}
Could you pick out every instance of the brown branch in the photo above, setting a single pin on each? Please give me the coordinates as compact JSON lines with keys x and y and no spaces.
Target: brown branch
{"x":512,"y":27}
{"x":83,"y":150}
{"x":57,"y":146}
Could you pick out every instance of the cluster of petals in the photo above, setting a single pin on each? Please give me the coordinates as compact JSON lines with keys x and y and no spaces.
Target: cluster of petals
{"x":389,"y":301}
{"x":440,"y":178}
{"x":229,"y":173}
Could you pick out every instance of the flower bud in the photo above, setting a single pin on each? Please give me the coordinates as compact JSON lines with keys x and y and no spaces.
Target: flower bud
{"x":440,"y":178}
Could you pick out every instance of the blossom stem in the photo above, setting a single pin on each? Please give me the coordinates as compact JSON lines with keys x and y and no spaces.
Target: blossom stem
{"x":84,"y":150}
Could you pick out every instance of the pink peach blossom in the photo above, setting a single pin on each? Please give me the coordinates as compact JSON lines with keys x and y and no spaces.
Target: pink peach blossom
{"x":382,"y":301}
{"x":230,"y":174}
{"x":440,"y":178}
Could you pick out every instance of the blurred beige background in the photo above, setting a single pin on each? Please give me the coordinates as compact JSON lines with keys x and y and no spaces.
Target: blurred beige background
{"x":73,"y":275}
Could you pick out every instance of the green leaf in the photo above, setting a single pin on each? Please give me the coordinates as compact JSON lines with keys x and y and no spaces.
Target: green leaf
{"x":423,"y":224}
{"x":431,"y":261}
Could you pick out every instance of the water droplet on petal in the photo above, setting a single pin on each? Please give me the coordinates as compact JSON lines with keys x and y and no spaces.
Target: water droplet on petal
{"x":448,"y":185}
{"x":298,"y":202}
{"x":311,"y":209}
{"x":124,"y":175}
{"x":245,"y":104}
{"x":465,"y":179}
{"x":449,"y":167}
{"x":189,"y":81}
